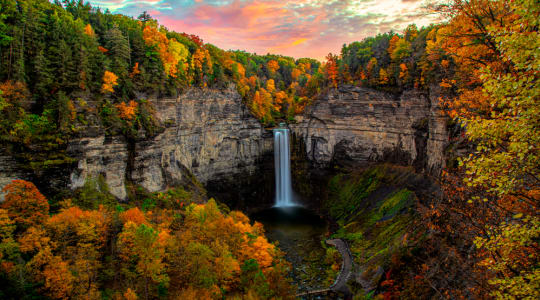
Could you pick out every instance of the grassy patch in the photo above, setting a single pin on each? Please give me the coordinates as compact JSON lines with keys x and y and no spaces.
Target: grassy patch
{"x":348,"y":191}
{"x":94,"y":193}
{"x":173,"y":198}
{"x":391,"y":206}
{"x":373,"y":214}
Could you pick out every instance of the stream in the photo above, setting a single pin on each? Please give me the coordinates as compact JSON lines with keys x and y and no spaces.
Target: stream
{"x":299,"y":233}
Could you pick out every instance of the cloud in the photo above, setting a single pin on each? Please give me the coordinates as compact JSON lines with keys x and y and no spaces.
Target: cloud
{"x":298,"y":28}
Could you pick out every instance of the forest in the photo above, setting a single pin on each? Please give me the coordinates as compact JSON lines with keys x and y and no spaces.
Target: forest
{"x":478,"y":239}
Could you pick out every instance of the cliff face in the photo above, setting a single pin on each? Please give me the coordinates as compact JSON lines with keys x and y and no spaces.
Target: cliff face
{"x":364,"y":125}
{"x":209,"y":135}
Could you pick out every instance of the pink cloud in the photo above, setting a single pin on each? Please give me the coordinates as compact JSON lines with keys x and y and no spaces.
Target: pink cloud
{"x":298,"y":28}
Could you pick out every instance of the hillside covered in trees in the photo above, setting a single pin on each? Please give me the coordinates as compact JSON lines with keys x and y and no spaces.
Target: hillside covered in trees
{"x":478,"y":239}
{"x":171,"y":247}
{"x":57,"y":57}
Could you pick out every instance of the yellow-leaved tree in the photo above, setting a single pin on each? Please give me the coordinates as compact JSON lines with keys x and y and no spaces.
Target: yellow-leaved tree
{"x":496,"y":46}
{"x":110,"y":80}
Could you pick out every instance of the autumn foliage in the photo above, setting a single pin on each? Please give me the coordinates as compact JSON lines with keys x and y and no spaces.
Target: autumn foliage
{"x":214,"y":247}
{"x":89,"y":31}
{"x":187,"y":250}
{"x":332,"y":70}
{"x":170,"y":51}
{"x":26,"y":206}
{"x":109,"y":81}
{"x":477,"y":238}
{"x":127,"y":111}
{"x":272,"y":66}
{"x":483,"y":231}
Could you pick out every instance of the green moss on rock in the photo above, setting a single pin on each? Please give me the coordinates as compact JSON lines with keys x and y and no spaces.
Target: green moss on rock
{"x":373,"y":212}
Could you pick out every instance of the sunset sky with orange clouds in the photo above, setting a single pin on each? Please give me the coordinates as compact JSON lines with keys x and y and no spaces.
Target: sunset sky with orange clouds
{"x":298,"y":28}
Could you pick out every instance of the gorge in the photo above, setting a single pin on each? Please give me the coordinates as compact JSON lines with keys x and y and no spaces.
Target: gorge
{"x":209,"y":134}
{"x":209,"y":137}
{"x":138,"y":161}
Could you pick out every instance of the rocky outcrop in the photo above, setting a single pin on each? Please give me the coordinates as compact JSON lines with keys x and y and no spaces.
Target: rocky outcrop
{"x":354,"y":124}
{"x":9,"y":171}
{"x":100,"y":155}
{"x":208,"y":134}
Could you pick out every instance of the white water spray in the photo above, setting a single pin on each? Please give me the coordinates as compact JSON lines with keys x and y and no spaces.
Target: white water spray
{"x":282,"y":162}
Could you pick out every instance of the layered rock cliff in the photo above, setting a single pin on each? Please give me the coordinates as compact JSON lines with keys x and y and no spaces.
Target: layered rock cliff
{"x":363,"y":125}
{"x":208,"y":134}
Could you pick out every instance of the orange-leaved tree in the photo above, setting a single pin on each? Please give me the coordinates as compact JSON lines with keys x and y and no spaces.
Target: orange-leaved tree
{"x":127,"y":112}
{"x":273,"y":66}
{"x":489,"y":220}
{"x":109,"y":82}
{"x":212,"y":248}
{"x":66,"y":252}
{"x":26,"y":206}
{"x":331,"y":69}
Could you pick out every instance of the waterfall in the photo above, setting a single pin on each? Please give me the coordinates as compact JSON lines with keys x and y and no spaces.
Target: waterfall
{"x":282,"y":163}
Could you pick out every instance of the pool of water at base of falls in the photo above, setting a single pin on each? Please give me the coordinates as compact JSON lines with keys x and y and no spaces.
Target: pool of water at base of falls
{"x":299,"y":232}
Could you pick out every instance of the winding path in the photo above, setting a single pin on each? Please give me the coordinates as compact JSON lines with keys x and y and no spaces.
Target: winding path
{"x":340,"y":284}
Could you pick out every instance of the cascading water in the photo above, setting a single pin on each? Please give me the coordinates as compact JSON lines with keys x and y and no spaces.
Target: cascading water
{"x":282,"y":164}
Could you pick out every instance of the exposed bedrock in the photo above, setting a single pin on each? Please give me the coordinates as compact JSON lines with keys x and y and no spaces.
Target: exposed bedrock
{"x":354,"y":124}
{"x":209,"y":136}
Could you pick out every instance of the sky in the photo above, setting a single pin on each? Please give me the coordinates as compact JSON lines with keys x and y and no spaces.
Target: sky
{"x":298,"y":28}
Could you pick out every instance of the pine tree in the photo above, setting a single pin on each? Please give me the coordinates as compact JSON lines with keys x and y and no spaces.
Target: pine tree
{"x":119,"y":52}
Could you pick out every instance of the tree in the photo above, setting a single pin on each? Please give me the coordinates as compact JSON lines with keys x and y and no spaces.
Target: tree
{"x":54,"y":272}
{"x":506,"y":163}
{"x":26,"y":206}
{"x":66,"y":112}
{"x":393,"y":44}
{"x":212,"y":246}
{"x":272,"y":66}
{"x":507,"y":159}
{"x":514,"y":245}
{"x":127,"y":112}
{"x":144,"y":17}
{"x":331,"y":68}
{"x":178,"y":55}
{"x":383,"y":76}
{"x":135,"y":71}
{"x":411,"y":32}
{"x":170,"y":51}
{"x":373,"y":71}
{"x":270,"y":85}
{"x":89,"y":31}
{"x":130,"y":295}
{"x":202,"y":64}
{"x":403,"y":72}
{"x":144,"y":248}
{"x":134,"y":215}
{"x":79,"y":237}
{"x":109,"y":81}
{"x":296,"y":73}
{"x":119,"y":50}
{"x":8,"y":246}
{"x":402,"y":49}
{"x":489,"y":221}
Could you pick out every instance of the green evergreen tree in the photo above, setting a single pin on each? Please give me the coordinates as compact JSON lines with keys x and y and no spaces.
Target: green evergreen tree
{"x":118,"y":47}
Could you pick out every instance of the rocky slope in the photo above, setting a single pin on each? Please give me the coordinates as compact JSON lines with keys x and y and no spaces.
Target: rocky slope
{"x":364,"y":125}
